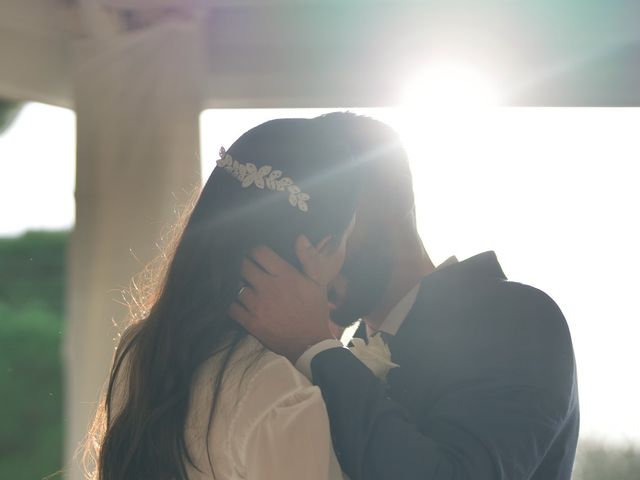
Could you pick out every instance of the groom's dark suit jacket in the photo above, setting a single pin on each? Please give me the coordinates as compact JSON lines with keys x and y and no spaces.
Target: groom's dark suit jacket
{"x":486,"y":387}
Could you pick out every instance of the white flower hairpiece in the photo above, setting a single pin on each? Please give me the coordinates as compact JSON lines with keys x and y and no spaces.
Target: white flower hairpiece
{"x":249,"y":174}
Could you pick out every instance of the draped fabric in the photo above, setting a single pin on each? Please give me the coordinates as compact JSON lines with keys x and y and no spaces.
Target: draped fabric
{"x":137,"y":100}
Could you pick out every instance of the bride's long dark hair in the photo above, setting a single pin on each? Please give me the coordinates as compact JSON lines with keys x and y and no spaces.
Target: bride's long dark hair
{"x":184,"y":321}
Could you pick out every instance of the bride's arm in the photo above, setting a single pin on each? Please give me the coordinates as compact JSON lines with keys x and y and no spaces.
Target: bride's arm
{"x":293,"y":441}
{"x":280,"y":428}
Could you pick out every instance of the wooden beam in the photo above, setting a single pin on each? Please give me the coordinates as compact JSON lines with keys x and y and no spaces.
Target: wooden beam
{"x":35,"y":67}
{"x":298,"y":53}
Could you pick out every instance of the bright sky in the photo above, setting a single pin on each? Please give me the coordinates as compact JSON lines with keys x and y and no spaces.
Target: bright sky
{"x":553,"y":191}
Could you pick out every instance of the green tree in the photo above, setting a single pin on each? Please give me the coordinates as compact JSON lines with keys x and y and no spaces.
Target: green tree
{"x":31,"y":312}
{"x":598,"y":461}
{"x":8,"y":112}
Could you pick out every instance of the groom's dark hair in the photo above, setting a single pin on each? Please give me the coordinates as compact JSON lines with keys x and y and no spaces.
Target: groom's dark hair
{"x":385,"y":201}
{"x":377,"y":148}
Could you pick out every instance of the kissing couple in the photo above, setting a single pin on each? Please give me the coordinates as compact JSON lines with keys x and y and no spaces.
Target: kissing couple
{"x":234,"y":368}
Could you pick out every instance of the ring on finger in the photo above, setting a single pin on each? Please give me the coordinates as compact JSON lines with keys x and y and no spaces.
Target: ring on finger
{"x":241,"y":291}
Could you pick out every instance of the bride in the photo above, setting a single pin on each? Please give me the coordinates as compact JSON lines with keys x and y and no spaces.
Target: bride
{"x":191,"y":395}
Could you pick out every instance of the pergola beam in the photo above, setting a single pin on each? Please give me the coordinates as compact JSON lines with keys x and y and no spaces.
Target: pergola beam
{"x":329,"y":54}
{"x":34,"y":67}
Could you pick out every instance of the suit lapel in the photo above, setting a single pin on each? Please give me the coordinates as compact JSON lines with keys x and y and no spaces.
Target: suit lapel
{"x":409,"y":344}
{"x":439,"y":284}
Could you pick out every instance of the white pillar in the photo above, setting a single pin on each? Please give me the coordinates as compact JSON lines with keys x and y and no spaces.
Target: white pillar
{"x":137,"y":96}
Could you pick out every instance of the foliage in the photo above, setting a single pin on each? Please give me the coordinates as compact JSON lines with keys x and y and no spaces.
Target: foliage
{"x":31,"y":299}
{"x":32,"y":270}
{"x":8,"y":112}
{"x":598,"y":461}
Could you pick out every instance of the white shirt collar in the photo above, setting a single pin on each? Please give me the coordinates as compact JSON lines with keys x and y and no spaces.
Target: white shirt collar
{"x":397,"y":316}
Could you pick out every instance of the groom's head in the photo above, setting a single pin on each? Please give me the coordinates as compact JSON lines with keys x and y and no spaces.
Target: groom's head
{"x":385,"y":207}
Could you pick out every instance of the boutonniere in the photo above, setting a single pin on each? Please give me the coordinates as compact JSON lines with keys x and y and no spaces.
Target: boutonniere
{"x":375,"y":355}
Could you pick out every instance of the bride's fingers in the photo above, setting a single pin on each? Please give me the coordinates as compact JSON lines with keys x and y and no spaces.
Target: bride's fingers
{"x":252,"y":274}
{"x":247,"y":298}
{"x":310,"y":257}
{"x":270,"y":261}
{"x":241,"y":315}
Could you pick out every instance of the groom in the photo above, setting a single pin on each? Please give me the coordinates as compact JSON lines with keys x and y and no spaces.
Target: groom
{"x":485,"y":387}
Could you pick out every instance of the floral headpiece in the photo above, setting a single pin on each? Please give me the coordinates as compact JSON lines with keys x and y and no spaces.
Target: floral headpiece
{"x":248,"y":174}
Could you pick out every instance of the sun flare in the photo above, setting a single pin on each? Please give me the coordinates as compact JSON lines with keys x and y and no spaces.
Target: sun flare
{"x":451,"y":86}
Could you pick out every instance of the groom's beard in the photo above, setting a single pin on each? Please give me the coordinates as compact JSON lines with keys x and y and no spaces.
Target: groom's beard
{"x":367,"y":274}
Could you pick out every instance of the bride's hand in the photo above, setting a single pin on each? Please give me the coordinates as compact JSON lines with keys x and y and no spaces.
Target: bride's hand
{"x":286,"y":310}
